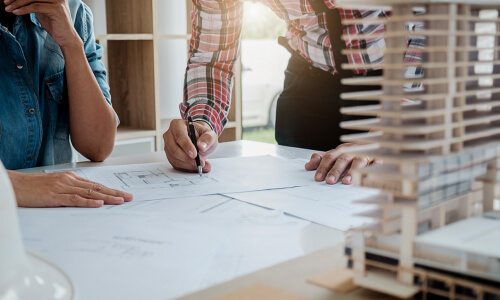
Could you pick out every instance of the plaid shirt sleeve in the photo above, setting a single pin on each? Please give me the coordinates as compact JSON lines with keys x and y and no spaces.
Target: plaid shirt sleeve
{"x":214,"y":49}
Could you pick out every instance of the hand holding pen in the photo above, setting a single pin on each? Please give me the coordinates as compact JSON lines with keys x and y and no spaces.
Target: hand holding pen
{"x":180,"y":149}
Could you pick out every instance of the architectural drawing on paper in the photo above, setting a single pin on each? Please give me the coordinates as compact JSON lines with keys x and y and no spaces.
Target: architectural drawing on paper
{"x":157,"y":178}
{"x":434,"y":231}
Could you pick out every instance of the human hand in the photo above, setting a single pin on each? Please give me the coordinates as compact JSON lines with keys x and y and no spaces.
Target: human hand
{"x":62,"y":189}
{"x":181,"y":153}
{"x":53,"y":15}
{"x":332,"y":164}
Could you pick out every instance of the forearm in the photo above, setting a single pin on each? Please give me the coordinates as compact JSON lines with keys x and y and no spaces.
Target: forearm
{"x":92,"y":119}
{"x":214,"y":50}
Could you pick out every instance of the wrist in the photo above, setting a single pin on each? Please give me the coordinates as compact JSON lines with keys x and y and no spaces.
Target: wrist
{"x":204,"y":124}
{"x":72,"y":47}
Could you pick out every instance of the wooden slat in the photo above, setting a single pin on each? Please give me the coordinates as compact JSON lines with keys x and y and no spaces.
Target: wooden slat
{"x":125,"y":37}
{"x":417,"y":128}
{"x":426,"y":65}
{"x":378,"y":80}
{"x":129,"y":16}
{"x":132,"y":82}
{"x":417,"y":113}
{"x":430,"y":49}
{"x":419,"y":144}
{"x":418,"y":33}
{"x":377,"y":95}
{"x":415,"y":18}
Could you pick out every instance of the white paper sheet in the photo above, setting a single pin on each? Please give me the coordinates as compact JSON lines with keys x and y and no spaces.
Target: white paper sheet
{"x":228,"y":175}
{"x":205,"y":205}
{"x":125,"y":254}
{"x":330,"y":205}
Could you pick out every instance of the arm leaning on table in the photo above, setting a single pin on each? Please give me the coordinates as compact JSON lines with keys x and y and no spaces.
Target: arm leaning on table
{"x":214,"y":49}
{"x":92,"y":120}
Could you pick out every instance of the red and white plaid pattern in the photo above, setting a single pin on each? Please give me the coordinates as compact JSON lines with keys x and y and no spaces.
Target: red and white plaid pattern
{"x":215,"y":47}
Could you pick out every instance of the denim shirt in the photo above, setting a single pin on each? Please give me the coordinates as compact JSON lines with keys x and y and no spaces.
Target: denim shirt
{"x":34,"y":112}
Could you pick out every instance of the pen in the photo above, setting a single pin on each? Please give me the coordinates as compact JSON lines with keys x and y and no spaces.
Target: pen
{"x":192,"y":135}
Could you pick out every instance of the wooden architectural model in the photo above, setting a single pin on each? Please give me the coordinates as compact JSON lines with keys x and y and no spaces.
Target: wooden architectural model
{"x":440,"y":152}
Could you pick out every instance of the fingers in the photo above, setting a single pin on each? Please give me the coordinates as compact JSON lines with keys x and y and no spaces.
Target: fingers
{"x":333,"y":164}
{"x":92,"y":194}
{"x":207,"y":168}
{"x":207,"y":138}
{"x":177,"y":141}
{"x":342,"y":163}
{"x":189,"y":166}
{"x":75,"y":200}
{"x":178,"y":159}
{"x":314,"y":162}
{"x":181,"y":152}
{"x":357,"y":163}
{"x":207,"y":143}
{"x":14,"y":4}
{"x":71,"y":184}
{"x":97,"y":189}
{"x":327,"y":161}
{"x":127,"y":197}
{"x":30,"y":8}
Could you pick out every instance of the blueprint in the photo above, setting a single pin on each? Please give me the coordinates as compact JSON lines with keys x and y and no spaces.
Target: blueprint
{"x":155,"y":178}
{"x":229,"y":175}
{"x":170,"y":254}
{"x":329,"y":205}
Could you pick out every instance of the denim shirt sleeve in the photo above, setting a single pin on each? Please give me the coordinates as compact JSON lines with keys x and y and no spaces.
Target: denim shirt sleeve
{"x":84,"y":25}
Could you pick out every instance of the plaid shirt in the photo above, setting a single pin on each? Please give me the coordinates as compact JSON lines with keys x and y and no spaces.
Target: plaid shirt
{"x":215,"y":47}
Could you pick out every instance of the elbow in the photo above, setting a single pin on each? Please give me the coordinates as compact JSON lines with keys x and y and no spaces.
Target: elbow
{"x":98,"y":157}
{"x":96,"y":143}
{"x":96,"y":153}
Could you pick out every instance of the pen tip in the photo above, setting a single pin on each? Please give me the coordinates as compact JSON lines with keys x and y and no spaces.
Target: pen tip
{"x":200,"y":171}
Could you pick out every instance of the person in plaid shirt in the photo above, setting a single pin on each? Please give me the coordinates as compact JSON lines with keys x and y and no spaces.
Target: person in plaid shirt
{"x":308,"y":113}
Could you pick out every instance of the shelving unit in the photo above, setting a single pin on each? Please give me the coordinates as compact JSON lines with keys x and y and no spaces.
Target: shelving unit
{"x":129,"y":32}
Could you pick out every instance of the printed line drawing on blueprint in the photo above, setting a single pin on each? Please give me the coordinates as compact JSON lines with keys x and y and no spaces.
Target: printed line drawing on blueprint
{"x":156,"y":178}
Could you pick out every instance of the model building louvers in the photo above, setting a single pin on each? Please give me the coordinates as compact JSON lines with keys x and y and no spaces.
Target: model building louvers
{"x":439,"y":139}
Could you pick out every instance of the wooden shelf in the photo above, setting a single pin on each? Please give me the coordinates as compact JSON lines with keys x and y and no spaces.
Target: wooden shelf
{"x":126,"y":133}
{"x":130,"y":43}
{"x":173,"y":36}
{"x":231,"y":125}
{"x":124,"y":37}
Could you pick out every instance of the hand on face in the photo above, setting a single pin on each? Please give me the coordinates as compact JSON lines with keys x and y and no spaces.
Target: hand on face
{"x":181,"y":152}
{"x":331,"y":165}
{"x":53,"y":15}
{"x":62,"y":189}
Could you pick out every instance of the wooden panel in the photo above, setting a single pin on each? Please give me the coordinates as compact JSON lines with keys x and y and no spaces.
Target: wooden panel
{"x":129,"y":16}
{"x":229,"y":134}
{"x":235,"y":114}
{"x":260,"y":291}
{"x":131,"y":78}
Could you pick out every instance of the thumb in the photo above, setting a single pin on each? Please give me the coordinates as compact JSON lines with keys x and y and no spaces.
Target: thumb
{"x":207,"y":142}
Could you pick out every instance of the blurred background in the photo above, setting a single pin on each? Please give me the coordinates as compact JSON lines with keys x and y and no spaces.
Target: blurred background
{"x":263,"y":64}
{"x":145,"y":50}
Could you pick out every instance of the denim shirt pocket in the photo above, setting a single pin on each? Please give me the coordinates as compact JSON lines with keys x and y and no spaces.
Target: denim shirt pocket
{"x":58,"y":105}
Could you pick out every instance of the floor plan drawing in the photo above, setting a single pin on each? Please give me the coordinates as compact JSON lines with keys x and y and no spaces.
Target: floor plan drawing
{"x":157,"y":178}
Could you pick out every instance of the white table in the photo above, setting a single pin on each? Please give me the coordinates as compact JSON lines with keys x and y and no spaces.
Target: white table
{"x":314,"y":237}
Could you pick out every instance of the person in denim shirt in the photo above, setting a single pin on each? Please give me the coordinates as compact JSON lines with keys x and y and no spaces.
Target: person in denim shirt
{"x":53,"y":86}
